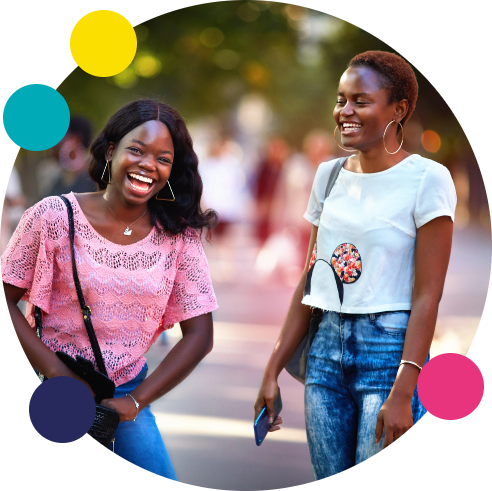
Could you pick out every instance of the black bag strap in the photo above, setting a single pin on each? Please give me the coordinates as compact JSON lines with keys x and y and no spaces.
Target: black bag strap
{"x":86,"y":310}
{"x":334,"y":175}
{"x":335,"y":171}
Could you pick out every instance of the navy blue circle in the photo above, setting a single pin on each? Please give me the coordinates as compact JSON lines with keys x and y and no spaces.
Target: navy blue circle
{"x":62,"y":409}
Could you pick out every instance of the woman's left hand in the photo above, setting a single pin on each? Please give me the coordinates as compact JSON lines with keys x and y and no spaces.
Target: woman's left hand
{"x":124,"y":406}
{"x":395,"y":416}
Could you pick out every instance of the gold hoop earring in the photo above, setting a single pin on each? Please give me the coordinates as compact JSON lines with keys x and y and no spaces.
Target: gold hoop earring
{"x":109,"y":173}
{"x":338,"y":145}
{"x":164,"y":199}
{"x":402,"y":135}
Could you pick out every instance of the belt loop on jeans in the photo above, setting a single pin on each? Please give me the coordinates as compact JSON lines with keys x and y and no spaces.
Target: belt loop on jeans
{"x":372,"y":317}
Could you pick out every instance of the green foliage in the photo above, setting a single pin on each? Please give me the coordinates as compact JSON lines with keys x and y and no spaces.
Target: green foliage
{"x":204,"y":59}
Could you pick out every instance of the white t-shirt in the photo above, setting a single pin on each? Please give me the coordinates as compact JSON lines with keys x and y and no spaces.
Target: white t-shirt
{"x":367,"y":230}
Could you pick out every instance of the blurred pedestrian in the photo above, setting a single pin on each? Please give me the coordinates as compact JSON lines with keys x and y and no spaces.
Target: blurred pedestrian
{"x":267,"y":177}
{"x":13,"y":208}
{"x":72,"y":154}
{"x":223,"y":184}
{"x":294,"y":187}
{"x":141,"y":266}
{"x":374,"y":274}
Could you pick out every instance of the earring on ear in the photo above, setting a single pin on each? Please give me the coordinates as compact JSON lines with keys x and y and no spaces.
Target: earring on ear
{"x":109,"y":173}
{"x":402,"y":135}
{"x":164,"y":199}
{"x":335,"y":137}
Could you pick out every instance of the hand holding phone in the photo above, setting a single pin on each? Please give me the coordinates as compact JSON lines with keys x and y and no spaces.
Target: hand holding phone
{"x":261,"y":425}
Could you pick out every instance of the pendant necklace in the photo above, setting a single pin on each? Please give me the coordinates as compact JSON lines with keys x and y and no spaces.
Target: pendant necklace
{"x":127,"y":231}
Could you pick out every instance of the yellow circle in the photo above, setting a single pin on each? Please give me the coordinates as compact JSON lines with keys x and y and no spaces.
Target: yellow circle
{"x":103,"y":43}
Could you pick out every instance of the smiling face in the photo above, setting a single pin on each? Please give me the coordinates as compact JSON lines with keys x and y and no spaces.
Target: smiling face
{"x":141,"y":162}
{"x":362,"y":111}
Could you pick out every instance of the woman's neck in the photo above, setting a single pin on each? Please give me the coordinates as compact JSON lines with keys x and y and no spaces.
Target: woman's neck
{"x":120,"y":207}
{"x":374,"y":160}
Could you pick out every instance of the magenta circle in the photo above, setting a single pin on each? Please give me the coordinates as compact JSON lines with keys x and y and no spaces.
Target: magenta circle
{"x":450,"y":386}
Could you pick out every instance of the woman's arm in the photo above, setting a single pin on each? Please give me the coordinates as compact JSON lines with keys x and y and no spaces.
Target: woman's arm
{"x":196,"y":343}
{"x":432,"y":251}
{"x":294,"y":329}
{"x":39,"y":355}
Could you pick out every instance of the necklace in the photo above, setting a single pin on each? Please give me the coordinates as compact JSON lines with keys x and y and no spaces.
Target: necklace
{"x":127,"y":230}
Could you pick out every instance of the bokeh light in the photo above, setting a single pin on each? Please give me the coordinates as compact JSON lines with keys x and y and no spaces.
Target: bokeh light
{"x":147,"y":65}
{"x":127,"y":79}
{"x":227,"y":59}
{"x":248,"y":12}
{"x":211,"y":37}
{"x":431,"y":141}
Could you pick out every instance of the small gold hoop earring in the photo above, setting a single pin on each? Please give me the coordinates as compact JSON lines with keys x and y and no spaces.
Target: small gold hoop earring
{"x":338,"y":145}
{"x":164,"y":199}
{"x":402,"y":135}
{"x":109,"y":173}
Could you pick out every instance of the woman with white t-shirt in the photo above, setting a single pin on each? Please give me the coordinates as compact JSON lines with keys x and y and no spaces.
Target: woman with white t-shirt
{"x":376,"y":265}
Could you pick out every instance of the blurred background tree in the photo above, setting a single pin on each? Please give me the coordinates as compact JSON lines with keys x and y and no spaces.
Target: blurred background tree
{"x":253,"y":70}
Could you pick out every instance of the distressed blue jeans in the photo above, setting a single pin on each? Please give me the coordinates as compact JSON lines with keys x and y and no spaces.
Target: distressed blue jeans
{"x":351,"y":369}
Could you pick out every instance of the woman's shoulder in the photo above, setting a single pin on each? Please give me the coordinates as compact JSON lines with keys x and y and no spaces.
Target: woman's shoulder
{"x":325,"y":167}
{"x":433,"y":181}
{"x":48,"y":208}
{"x":323,"y":174}
{"x":434,"y":177}
{"x":427,"y":166}
{"x":46,"y":222}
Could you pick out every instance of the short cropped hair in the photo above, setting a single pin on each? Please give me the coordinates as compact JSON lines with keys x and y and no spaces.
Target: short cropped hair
{"x":395,"y":74}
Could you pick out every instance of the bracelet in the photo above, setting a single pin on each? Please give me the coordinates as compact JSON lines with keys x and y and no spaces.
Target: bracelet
{"x":137,"y":405}
{"x":402,"y":362}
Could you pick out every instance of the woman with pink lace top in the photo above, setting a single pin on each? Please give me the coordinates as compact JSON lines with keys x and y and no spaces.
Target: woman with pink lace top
{"x":141,"y":266}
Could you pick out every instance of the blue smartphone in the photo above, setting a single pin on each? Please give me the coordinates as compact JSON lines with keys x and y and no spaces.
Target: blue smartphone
{"x":261,"y":425}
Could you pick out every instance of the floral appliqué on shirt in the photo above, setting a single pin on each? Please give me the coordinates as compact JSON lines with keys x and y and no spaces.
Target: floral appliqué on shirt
{"x":313,"y":258}
{"x":346,"y":263}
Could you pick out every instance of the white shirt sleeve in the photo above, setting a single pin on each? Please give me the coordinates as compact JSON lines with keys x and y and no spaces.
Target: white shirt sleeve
{"x":317,"y":196}
{"x":436,"y":196}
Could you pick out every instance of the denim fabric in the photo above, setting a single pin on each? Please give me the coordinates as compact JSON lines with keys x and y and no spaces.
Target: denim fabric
{"x":351,"y":369}
{"x":140,"y":442}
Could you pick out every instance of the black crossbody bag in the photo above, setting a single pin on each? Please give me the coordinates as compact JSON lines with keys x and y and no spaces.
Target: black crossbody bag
{"x":296,"y":366}
{"x":106,"y":420}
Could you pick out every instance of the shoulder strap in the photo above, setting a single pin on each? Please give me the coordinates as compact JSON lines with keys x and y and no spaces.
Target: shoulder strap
{"x":334,"y":175}
{"x":335,"y":171}
{"x":86,"y":310}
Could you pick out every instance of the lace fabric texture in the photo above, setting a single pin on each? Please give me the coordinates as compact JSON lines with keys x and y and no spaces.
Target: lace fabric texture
{"x":135,"y":291}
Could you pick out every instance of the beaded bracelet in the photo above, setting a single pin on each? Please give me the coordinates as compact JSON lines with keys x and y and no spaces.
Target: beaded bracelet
{"x":402,"y":362}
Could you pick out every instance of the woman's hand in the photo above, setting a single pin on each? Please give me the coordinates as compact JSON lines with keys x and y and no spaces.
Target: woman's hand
{"x":267,"y":395}
{"x":124,"y":406}
{"x":395,"y":416}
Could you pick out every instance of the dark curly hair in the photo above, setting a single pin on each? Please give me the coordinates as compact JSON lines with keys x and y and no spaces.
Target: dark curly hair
{"x":184,"y":211}
{"x":395,"y":74}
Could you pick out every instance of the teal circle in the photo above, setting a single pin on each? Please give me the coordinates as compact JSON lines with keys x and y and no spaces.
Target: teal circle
{"x":36,"y":117}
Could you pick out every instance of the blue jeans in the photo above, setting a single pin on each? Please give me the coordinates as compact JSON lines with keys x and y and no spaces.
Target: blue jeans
{"x":351,"y":369}
{"x":140,"y":442}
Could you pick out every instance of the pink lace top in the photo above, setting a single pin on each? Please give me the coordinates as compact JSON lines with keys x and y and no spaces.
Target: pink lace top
{"x":135,"y":291}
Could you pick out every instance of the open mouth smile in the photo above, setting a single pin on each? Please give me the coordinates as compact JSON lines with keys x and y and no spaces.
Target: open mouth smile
{"x":349,"y":128}
{"x":140,"y":184}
